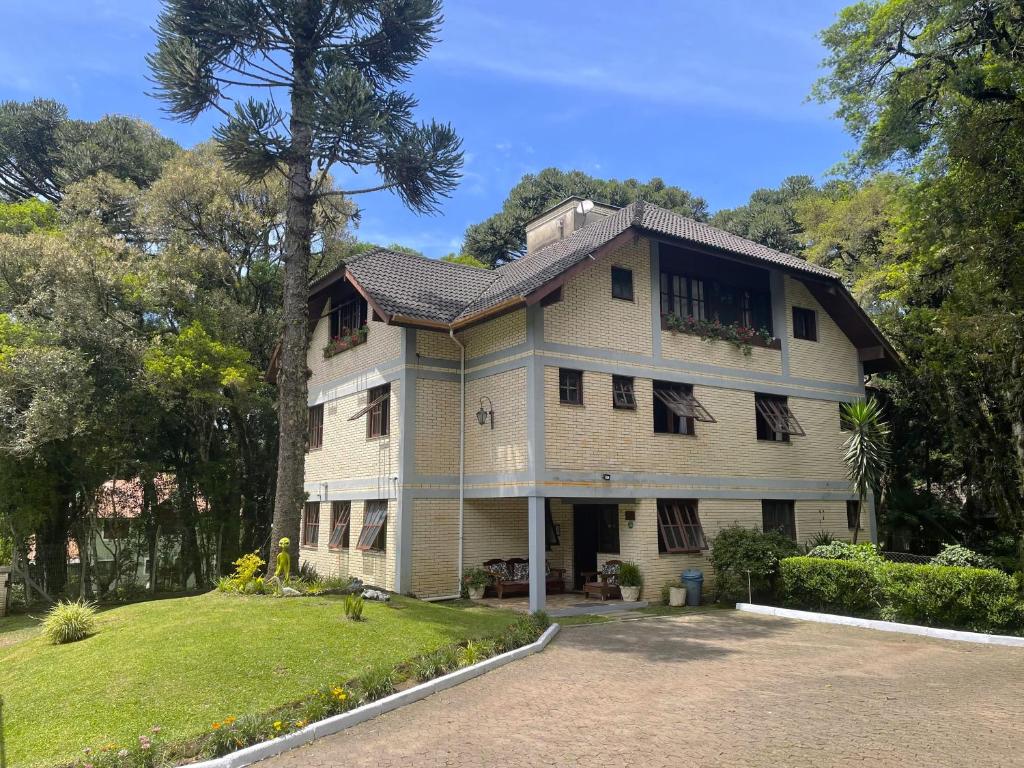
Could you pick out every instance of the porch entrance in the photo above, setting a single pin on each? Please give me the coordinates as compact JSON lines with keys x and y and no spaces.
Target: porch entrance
{"x":590,"y":524}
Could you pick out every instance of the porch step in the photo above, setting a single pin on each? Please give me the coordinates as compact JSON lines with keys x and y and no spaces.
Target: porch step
{"x":597,"y":608}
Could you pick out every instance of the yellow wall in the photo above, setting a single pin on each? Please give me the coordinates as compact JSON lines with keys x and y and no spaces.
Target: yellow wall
{"x":383,"y":344}
{"x":376,"y":569}
{"x":832,"y":357}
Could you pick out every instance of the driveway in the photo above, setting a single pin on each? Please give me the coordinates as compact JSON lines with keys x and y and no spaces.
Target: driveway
{"x":715,"y":689}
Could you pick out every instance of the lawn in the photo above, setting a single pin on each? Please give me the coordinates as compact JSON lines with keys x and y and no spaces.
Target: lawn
{"x":184,"y":663}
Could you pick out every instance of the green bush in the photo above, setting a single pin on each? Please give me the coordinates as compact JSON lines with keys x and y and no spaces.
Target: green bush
{"x":630,"y":576}
{"x":831,"y":586}
{"x":841,"y":550}
{"x":68,"y":622}
{"x":737,"y":550}
{"x":376,"y":684}
{"x":6,"y":551}
{"x":976,"y":599}
{"x":981,"y":600}
{"x":962,"y":557}
{"x":523,"y":631}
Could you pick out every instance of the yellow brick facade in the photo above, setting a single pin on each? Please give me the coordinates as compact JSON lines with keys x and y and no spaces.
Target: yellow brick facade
{"x":374,"y":568}
{"x":723,"y":466}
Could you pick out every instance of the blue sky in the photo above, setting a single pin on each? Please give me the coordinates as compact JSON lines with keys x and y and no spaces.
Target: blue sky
{"x":709,"y":96}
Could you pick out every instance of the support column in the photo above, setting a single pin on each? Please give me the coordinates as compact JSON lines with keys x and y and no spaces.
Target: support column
{"x":535,"y":524}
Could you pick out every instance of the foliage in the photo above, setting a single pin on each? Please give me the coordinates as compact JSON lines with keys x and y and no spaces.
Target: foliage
{"x":523,"y":631}
{"x":502,"y":237}
{"x":821,"y":539}
{"x":476,"y":577}
{"x":630,"y":576}
{"x":375,"y":684}
{"x":244,"y":577}
{"x":980,"y":600}
{"x":465,"y":259}
{"x":354,"y":608}
{"x":960,"y":556}
{"x":665,"y":595}
{"x":866,"y":450}
{"x":841,"y":550}
{"x":346,"y":340}
{"x":6,"y":550}
{"x":242,"y":670}
{"x":740,"y":336}
{"x":67,"y":622}
{"x":27,"y":216}
{"x":843,"y":586}
{"x":146,"y":751}
{"x":737,"y":550}
{"x":770,"y":217}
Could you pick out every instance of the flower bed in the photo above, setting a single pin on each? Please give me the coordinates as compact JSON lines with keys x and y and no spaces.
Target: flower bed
{"x":743,"y":337}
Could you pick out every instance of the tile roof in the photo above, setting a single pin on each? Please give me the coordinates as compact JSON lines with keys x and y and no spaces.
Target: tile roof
{"x":418,"y":287}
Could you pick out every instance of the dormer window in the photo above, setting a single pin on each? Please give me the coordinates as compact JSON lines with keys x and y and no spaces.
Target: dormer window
{"x":346,"y":326}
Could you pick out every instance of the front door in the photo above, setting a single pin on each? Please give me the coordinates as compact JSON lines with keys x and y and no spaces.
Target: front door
{"x":586,"y":524}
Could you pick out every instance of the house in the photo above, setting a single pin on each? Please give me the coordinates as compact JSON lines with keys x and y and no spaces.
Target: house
{"x":601,"y":398}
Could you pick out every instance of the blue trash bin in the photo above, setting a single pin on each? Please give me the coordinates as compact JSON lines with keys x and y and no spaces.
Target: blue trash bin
{"x":693,"y":580}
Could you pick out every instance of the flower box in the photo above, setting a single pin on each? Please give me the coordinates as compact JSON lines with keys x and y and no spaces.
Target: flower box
{"x":742,"y":337}
{"x":346,"y":341}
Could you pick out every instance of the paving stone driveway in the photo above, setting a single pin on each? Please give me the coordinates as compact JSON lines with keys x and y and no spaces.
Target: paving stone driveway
{"x":717,"y":689}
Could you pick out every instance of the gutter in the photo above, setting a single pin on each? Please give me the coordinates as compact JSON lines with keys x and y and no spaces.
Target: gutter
{"x":462,"y":453}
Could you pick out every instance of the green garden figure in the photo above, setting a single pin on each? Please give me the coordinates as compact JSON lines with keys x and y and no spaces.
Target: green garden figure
{"x":284,"y":560}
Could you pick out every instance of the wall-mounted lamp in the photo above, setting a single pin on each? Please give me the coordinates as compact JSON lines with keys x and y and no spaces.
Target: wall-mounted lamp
{"x":606,"y":477}
{"x":484,"y":413}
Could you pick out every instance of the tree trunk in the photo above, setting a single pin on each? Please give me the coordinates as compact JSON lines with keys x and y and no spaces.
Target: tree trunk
{"x":291,"y":375}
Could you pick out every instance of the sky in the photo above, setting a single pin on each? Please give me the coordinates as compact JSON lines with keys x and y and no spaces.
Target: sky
{"x":709,"y":96}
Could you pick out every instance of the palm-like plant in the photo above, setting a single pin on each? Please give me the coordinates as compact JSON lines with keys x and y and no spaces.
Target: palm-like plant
{"x":866,"y":450}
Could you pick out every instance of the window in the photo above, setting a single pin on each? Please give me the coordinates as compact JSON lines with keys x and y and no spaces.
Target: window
{"x":805,"y":324}
{"x":374,"y":535}
{"x":676,"y":409}
{"x":340,"y":514}
{"x":679,"y":528}
{"x":774,"y":420}
{"x":853,"y":515}
{"x":311,"y":524}
{"x":316,"y":427}
{"x":570,"y":386}
{"x":702,"y":299}
{"x":844,"y":420}
{"x":376,"y":411}
{"x":682,"y":296}
{"x":778,"y":517}
{"x":608,"y":530}
{"x":347,"y":317}
{"x":623,"y":395}
{"x":622,"y":283}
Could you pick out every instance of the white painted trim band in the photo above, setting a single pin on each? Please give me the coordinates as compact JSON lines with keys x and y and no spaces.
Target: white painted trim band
{"x":337,"y":723}
{"x":884,"y":626}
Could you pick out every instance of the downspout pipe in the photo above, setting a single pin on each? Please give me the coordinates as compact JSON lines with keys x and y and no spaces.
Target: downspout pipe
{"x":462,"y":453}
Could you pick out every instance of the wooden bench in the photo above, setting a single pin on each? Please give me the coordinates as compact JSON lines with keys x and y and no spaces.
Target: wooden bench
{"x":504,"y":584}
{"x":603,"y":583}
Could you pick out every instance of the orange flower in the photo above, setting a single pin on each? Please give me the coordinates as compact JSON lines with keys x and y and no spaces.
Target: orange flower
{"x":215,"y":726}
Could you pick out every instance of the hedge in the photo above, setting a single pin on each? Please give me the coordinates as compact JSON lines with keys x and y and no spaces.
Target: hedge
{"x":977,"y":599}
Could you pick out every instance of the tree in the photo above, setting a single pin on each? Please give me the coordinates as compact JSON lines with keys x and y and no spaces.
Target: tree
{"x":338,"y":64}
{"x":934,"y":88}
{"x":866,"y":450}
{"x":43,"y":151}
{"x":502,"y":237}
{"x":770,"y":217}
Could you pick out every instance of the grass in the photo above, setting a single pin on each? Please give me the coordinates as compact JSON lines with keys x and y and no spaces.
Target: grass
{"x":184,"y":663}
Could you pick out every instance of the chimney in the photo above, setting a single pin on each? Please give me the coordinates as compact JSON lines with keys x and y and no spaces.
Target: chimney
{"x":562,"y":219}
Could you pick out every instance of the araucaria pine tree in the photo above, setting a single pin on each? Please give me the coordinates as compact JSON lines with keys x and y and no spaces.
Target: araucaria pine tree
{"x":304,"y":86}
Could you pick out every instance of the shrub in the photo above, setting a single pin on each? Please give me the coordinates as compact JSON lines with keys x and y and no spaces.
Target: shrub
{"x":737,"y":550}
{"x":829,"y":585}
{"x":307,"y":572}
{"x":523,"y":631}
{"x":981,"y":600}
{"x":6,"y":551}
{"x":665,"y":596}
{"x":242,"y":580}
{"x":962,"y":557}
{"x":841,"y":550}
{"x":354,"y":608}
{"x":376,"y":684}
{"x":630,"y":576}
{"x":233,"y":733}
{"x":67,"y":622}
{"x":476,"y":577}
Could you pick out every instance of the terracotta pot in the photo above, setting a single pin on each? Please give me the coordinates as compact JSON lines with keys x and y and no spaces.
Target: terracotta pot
{"x":677,"y":596}
{"x":476,"y":593}
{"x":630,"y":594}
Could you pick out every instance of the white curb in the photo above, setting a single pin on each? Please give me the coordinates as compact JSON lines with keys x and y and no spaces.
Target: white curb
{"x":884,"y":626}
{"x":332,"y":725}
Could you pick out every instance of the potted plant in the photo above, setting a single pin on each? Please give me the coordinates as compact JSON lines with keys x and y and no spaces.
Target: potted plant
{"x":476,"y":581}
{"x":676,"y":594}
{"x":630,"y":582}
